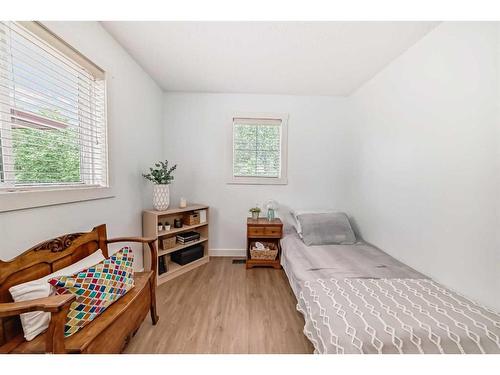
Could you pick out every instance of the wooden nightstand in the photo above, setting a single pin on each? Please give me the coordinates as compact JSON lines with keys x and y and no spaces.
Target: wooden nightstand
{"x":266,"y":231}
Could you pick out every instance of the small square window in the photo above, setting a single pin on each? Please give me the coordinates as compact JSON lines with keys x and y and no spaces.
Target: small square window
{"x":259,"y":149}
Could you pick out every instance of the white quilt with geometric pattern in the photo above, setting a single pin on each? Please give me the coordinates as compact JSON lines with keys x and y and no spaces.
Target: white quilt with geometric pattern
{"x":362,"y":315}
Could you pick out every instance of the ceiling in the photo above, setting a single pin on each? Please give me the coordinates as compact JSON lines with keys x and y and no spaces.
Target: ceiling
{"x":300,"y":58}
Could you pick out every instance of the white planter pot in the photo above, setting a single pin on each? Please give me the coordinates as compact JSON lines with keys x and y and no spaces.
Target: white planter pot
{"x":161,"y":197}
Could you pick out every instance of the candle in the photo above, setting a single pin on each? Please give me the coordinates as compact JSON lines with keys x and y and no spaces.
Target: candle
{"x":183,"y":203}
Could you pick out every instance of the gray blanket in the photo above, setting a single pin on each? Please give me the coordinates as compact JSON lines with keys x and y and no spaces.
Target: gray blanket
{"x":357,"y":299}
{"x":394,"y":316}
{"x":360,"y":260}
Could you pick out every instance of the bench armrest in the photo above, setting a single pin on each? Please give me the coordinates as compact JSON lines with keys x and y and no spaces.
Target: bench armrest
{"x":50,"y":304}
{"x":57,"y":306}
{"x":132,"y":239}
{"x":151,"y":241}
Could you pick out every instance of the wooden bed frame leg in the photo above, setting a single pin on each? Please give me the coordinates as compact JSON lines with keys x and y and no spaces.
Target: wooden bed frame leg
{"x":152,"y":288}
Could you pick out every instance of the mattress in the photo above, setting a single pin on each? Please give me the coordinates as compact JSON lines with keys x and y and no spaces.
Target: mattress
{"x":357,"y":299}
{"x":361,"y":260}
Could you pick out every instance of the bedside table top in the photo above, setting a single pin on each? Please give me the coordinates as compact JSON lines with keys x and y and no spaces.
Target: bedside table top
{"x":261,"y":221}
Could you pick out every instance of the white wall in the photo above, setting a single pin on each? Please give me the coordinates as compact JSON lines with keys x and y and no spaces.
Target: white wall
{"x":195,"y":137}
{"x":134,"y":129}
{"x":426,"y":139}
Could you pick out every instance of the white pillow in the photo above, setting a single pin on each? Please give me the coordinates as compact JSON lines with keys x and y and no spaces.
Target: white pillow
{"x":36,"y":322}
{"x":296,"y":213}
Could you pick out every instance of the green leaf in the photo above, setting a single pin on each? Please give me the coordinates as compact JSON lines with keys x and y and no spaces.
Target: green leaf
{"x":161,"y":174}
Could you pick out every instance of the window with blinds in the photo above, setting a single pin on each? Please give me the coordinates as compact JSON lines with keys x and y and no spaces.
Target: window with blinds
{"x":52,"y":112}
{"x":259,"y":150}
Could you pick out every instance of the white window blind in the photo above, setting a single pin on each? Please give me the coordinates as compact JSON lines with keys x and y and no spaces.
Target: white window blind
{"x":258,"y":150}
{"x":52,"y":112}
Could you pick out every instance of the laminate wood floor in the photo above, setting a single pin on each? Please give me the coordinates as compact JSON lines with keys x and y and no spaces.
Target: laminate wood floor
{"x":221,"y":307}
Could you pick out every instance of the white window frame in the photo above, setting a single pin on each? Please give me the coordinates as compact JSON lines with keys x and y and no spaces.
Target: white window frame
{"x":283,"y":178}
{"x":20,"y":198}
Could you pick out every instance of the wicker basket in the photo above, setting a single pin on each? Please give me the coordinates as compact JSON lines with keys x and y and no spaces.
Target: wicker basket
{"x":169,"y":243}
{"x":191,"y":219}
{"x":268,"y":254}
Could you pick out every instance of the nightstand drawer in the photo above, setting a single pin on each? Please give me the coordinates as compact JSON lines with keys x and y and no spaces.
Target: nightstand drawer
{"x":255,"y":231}
{"x":264,"y":231}
{"x":272,"y":231}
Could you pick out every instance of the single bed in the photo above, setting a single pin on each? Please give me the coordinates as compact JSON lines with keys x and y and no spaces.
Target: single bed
{"x":357,"y":299}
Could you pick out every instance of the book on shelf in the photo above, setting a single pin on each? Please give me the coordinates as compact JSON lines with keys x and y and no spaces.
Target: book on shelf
{"x":187,"y":237}
{"x":162,"y":265}
{"x":185,"y":242}
{"x":191,"y":233}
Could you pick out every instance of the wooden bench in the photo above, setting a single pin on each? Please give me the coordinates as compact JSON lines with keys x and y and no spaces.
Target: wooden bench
{"x":108,"y":333}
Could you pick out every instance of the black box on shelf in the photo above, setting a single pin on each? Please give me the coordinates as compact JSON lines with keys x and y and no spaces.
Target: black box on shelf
{"x":187,"y":255}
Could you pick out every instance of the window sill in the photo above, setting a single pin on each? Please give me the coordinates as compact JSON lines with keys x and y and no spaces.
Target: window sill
{"x":257,"y":181}
{"x":21,"y":200}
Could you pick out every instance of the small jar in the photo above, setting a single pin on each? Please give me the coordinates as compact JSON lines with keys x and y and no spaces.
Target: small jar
{"x":177,"y":223}
{"x":166,"y":226}
{"x":160,"y":227}
{"x":183,"y":203}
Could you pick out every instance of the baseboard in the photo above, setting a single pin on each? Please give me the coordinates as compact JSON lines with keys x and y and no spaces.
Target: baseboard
{"x":227,"y":253}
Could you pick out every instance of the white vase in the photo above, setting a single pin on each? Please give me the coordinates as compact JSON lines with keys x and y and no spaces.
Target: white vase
{"x":161,"y":197}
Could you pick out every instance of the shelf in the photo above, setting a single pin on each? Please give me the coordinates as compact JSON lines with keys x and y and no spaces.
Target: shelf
{"x":179,"y":247}
{"x":263,"y":262}
{"x":175,"y":269}
{"x":173,"y":211}
{"x":179,"y":230}
{"x":150,"y":221}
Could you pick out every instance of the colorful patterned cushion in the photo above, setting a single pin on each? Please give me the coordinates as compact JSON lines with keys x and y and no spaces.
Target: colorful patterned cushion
{"x":96,"y":288}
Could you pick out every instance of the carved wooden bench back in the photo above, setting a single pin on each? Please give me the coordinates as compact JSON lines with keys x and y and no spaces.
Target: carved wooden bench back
{"x":41,"y":260}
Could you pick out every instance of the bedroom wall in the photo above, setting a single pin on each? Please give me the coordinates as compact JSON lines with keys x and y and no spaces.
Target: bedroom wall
{"x":426,"y":130}
{"x":134,"y":128}
{"x":196,"y":131}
